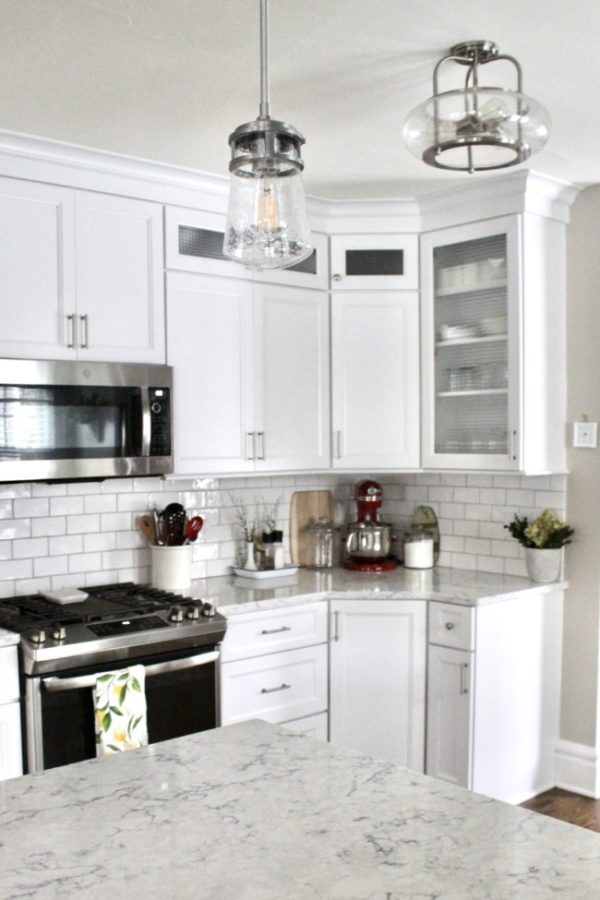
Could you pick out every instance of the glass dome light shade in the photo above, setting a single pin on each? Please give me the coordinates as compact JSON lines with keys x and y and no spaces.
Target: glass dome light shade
{"x":475,"y":129}
{"x":267,"y":225}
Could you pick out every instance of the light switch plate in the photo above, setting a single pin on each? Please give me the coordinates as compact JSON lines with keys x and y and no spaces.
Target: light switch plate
{"x":585,"y":434}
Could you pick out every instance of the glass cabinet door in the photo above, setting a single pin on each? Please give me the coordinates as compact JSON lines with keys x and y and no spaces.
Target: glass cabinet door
{"x":471,"y":363}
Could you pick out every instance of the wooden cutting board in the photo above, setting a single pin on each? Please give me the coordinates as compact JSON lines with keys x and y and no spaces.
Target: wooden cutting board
{"x":306,"y":508}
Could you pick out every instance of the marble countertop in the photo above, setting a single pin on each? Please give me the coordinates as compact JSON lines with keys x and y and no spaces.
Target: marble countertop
{"x":256,"y":812}
{"x":233,"y":595}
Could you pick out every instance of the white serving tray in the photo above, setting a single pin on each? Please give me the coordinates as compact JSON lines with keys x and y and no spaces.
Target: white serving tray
{"x":65,"y":595}
{"x":265,"y":573}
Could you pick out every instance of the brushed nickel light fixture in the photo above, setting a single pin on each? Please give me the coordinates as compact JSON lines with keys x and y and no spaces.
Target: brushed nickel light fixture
{"x":267,"y":226}
{"x":476,"y":128}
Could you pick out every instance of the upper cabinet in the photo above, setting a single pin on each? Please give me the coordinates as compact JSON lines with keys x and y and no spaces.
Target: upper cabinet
{"x":251,"y":389}
{"x":493,"y":345}
{"x":194,"y":242}
{"x":375,"y":262}
{"x":81,"y":275}
{"x":375,"y":380}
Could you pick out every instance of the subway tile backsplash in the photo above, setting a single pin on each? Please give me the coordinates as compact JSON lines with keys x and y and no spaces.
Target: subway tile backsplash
{"x":62,"y":535}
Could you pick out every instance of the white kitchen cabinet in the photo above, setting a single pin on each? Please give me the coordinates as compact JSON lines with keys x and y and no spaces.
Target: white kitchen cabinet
{"x":377,"y":678}
{"x":375,"y":262}
{"x":251,"y":375}
{"x":274,"y":667}
{"x":194,"y":243}
{"x":11,"y":758}
{"x":37,"y":269}
{"x":82,"y":276}
{"x":493,"y":696}
{"x":120,"y":279}
{"x":375,"y":380}
{"x":493,"y":321}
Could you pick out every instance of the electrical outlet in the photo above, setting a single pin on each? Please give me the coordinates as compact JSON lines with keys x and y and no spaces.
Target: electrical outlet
{"x":585,"y":434}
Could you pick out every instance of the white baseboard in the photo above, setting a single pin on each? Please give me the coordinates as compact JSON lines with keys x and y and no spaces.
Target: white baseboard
{"x":577,"y":769}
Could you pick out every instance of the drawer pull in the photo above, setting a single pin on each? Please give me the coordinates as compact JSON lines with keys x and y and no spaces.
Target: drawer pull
{"x":449,"y":626}
{"x":464,"y":689}
{"x":276,"y":630}
{"x":282,"y":687}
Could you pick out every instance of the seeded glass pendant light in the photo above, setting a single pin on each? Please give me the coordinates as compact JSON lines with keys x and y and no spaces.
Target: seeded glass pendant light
{"x":267,"y":226}
{"x":476,"y":128}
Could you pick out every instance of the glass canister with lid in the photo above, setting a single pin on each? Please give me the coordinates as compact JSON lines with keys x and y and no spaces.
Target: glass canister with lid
{"x":322,"y":544}
{"x":418,"y":549}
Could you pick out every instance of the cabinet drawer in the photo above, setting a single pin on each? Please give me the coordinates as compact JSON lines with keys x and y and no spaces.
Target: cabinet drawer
{"x":276,"y":687}
{"x":252,"y":634}
{"x":312,"y":726}
{"x":452,"y":626}
{"x":9,"y":674}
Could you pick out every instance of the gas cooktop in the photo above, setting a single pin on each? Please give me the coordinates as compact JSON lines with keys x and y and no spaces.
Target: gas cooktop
{"x":114,"y":621}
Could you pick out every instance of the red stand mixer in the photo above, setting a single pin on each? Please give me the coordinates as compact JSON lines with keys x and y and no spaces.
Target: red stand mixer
{"x":369,"y":541}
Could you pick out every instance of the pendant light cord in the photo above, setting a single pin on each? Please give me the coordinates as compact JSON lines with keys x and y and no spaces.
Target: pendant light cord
{"x":264,"y":60}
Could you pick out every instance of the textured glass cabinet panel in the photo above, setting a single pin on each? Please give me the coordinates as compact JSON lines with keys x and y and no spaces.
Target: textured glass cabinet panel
{"x":471,"y":346}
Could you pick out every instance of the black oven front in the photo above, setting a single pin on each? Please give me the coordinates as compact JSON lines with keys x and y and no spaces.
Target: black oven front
{"x":182,"y":695}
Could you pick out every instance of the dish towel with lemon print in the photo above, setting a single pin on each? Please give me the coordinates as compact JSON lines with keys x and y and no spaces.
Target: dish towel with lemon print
{"x":120,"y":703}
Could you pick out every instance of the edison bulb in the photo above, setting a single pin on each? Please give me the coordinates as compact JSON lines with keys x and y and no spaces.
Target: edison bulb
{"x":267,"y":226}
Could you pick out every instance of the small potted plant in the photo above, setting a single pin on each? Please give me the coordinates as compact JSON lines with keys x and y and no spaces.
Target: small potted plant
{"x":543,"y":540}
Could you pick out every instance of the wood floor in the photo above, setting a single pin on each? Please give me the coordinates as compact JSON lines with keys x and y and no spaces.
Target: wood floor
{"x":569,"y":807}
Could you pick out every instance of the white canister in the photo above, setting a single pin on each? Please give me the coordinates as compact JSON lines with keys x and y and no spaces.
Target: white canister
{"x":171,"y":567}
{"x":418,"y":550}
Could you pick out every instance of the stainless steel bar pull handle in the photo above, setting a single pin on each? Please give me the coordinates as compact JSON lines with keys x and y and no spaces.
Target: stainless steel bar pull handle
{"x":336,"y":626}
{"x":464,"y":678}
{"x":54,"y":684}
{"x":260,"y":441}
{"x":338,"y":444}
{"x":85,"y":341}
{"x":71,"y":327}
{"x":282,"y":687}
{"x":513,"y":444}
{"x":250,"y":444}
{"x":276,"y":630}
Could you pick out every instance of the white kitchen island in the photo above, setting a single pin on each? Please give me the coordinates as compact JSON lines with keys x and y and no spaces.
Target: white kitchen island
{"x":256,"y":812}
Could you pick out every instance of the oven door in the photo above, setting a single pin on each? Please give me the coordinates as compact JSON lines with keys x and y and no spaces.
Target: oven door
{"x":181,"y":697}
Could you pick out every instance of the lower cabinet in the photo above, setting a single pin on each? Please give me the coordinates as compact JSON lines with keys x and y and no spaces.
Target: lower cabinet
{"x":274,"y":667}
{"x":493,"y":696}
{"x":377,"y":678}
{"x":11,"y":760}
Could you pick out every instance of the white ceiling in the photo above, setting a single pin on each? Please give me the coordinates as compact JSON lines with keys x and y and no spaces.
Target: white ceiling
{"x":170,"y":80}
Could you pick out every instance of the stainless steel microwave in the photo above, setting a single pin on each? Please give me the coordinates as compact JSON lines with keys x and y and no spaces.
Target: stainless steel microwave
{"x":63,"y":420}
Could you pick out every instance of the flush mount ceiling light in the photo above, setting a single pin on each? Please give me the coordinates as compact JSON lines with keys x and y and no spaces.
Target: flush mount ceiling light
{"x":267,"y":226}
{"x":476,"y":128}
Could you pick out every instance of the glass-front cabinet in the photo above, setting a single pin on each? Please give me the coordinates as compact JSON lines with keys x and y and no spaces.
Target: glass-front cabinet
{"x":470,"y":351}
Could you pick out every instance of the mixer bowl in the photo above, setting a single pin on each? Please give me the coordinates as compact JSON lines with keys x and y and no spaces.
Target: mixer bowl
{"x":369,"y":540}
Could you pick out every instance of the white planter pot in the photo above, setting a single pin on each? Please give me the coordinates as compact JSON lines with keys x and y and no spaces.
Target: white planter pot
{"x":543,"y":566}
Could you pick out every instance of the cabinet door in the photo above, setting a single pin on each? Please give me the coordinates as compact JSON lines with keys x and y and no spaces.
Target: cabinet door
{"x":209,"y":345}
{"x":120,"y":289}
{"x":449,"y":715}
{"x":377,"y":678}
{"x":471,"y":346}
{"x":11,"y":760}
{"x":292,"y":378}
{"x":375,"y":261}
{"x":37,"y":270}
{"x":375,"y":372}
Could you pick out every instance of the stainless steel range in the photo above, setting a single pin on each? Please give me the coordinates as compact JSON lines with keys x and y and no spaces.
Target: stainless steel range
{"x":63,"y":648}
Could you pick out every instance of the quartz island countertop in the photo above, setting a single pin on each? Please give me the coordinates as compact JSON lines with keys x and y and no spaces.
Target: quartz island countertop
{"x":233,"y":595}
{"x":256,"y":812}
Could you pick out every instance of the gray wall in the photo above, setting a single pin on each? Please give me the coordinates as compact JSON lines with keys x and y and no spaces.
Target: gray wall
{"x":581,"y":624}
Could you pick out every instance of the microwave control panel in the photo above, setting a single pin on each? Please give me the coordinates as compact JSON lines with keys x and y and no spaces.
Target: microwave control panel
{"x":160,"y":419}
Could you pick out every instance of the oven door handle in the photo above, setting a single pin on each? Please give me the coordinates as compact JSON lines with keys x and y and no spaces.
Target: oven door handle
{"x":54,"y":684}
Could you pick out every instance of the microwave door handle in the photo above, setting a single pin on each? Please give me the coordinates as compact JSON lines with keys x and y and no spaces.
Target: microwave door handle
{"x":146,"y":422}
{"x":54,"y":684}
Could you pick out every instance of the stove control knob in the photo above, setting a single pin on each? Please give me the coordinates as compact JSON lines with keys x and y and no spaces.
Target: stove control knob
{"x":208,"y":608}
{"x":192,"y":612}
{"x":59,"y":632}
{"x":38,"y":636}
{"x":176,"y":614}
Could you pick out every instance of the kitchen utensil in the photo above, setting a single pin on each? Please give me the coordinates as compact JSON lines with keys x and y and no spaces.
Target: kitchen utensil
{"x":306,"y":508}
{"x":173,"y":517}
{"x":146,"y":525}
{"x":192,"y":529}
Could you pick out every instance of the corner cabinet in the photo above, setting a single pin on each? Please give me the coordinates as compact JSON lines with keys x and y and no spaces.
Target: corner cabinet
{"x":81,"y":275}
{"x":493,"y":345}
{"x":377,"y":678}
{"x":251,"y":375}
